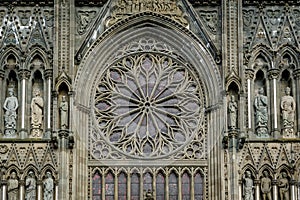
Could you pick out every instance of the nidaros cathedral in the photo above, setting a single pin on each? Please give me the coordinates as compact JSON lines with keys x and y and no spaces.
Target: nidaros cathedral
{"x":150,"y":99}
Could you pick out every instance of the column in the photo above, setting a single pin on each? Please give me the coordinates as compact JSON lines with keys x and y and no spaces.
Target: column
{"x":2,"y":73}
{"x":257,"y":189}
{"x":275,"y":190}
{"x":4,"y":188}
{"x":48,"y":76}
{"x":56,"y":191}
{"x":293,"y":189}
{"x":24,"y":75}
{"x":240,"y":189}
{"x":22,"y":189}
{"x":297,"y":99}
{"x":128,"y":184}
{"x":39,"y":189}
{"x":249,"y":74}
{"x":273,"y":107}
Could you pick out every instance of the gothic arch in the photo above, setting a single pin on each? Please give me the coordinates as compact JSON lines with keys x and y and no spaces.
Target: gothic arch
{"x":37,"y":52}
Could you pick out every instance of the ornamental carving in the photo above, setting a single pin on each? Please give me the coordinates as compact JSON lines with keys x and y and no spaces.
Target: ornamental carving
{"x":148,"y":105}
{"x":122,"y":9}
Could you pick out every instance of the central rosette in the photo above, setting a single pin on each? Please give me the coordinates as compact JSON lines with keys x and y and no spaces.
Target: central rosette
{"x":147,"y":105}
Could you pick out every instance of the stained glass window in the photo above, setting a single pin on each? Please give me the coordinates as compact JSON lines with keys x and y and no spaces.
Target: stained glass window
{"x":97,"y":186}
{"x":198,"y":185}
{"x":109,"y":186}
{"x":160,"y":187}
{"x":135,"y":187}
{"x":186,"y":186}
{"x":147,"y":182}
{"x":173,"y":186}
{"x":122,"y":187}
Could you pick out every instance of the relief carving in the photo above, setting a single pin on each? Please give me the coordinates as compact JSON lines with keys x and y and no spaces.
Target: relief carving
{"x":24,"y":17}
{"x":84,"y":20}
{"x":211,"y":21}
{"x":123,"y":8}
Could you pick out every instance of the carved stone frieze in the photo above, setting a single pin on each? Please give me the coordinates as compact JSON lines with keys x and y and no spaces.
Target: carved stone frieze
{"x":122,"y":9}
{"x":84,"y":19}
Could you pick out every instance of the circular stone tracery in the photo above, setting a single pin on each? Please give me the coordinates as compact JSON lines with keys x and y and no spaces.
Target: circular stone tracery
{"x":148,"y":105}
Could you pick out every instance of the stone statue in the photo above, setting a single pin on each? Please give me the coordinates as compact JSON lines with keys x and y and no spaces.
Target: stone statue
{"x":30,"y":186}
{"x":10,"y":106}
{"x":63,"y":113}
{"x":12,"y":187}
{"x":232,"y":110}
{"x":288,"y":107}
{"x":266,"y":186}
{"x":283,"y":185}
{"x":148,"y":195}
{"x":248,"y":186}
{"x":37,"y":104}
{"x":261,"y":114}
{"x":48,"y":187}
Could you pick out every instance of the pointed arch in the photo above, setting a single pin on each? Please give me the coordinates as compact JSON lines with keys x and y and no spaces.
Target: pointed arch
{"x":37,"y":53}
{"x":259,"y":53}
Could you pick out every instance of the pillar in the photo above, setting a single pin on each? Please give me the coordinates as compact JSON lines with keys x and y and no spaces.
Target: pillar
{"x":48,"y":76}
{"x":249,"y":74}
{"x":2,"y":73}
{"x":240,"y":189}
{"x":257,"y":189}
{"x":24,"y":75}
{"x":4,"y":189}
{"x":296,"y":75}
{"x":275,"y":189}
{"x":39,"y":189}
{"x":293,"y":189}
{"x":273,"y":107}
{"x":22,"y":189}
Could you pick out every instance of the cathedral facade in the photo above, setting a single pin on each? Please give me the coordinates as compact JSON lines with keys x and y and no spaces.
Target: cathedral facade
{"x":150,"y":99}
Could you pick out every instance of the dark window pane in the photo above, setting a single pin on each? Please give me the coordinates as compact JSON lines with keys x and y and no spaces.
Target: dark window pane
{"x":160,"y":187}
{"x":173,"y":186}
{"x":96,"y":186}
{"x":198,"y":187}
{"x":186,"y":189}
{"x":135,"y":187}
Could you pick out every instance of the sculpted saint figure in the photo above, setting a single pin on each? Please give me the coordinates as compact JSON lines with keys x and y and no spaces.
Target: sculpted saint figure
{"x":30,"y":187}
{"x":248,"y":186}
{"x":288,"y":107}
{"x":261,"y":113}
{"x":232,"y":110}
{"x":10,"y":106}
{"x":48,"y":187}
{"x":63,"y":113}
{"x":266,"y":186}
{"x":12,"y":187}
{"x":284,"y":187}
{"x":37,"y":104}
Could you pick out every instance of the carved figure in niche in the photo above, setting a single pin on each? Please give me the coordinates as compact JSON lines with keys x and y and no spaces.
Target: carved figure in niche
{"x":10,"y":106}
{"x":266,"y":186}
{"x":288,"y":106}
{"x":148,"y":195}
{"x":261,"y":114}
{"x":248,"y":186}
{"x":283,"y":185}
{"x":12,"y":187}
{"x":48,"y":187}
{"x":64,"y":107}
{"x":232,"y":110}
{"x":30,"y":186}
{"x":37,"y":104}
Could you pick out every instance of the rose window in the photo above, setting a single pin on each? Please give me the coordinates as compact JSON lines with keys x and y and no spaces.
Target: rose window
{"x":148,"y":105}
